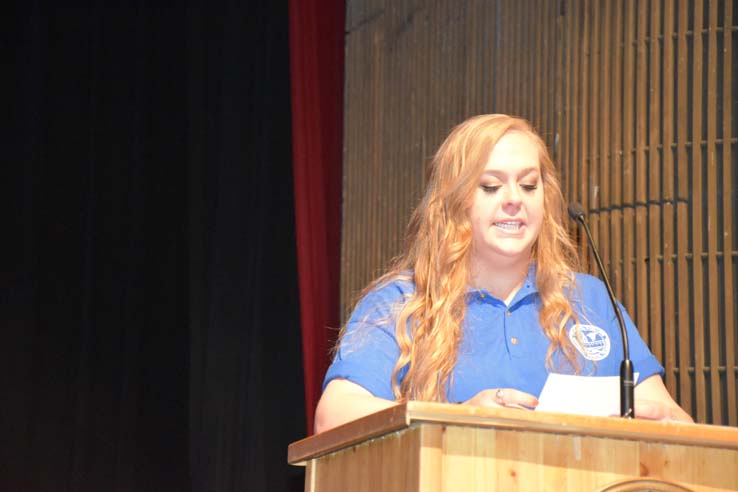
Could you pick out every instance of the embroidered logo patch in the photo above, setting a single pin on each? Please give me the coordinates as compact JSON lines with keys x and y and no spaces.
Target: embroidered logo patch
{"x":592,"y":341}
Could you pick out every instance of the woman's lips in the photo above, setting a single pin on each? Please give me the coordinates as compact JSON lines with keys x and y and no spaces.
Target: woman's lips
{"x":509,"y":225}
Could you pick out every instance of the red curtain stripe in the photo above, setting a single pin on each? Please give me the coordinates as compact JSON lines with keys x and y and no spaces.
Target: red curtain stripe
{"x":316,"y":65}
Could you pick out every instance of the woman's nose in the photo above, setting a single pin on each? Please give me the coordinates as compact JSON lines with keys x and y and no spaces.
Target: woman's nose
{"x":512,"y":195}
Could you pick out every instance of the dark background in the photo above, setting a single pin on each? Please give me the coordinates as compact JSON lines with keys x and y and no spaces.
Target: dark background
{"x":148,"y":286}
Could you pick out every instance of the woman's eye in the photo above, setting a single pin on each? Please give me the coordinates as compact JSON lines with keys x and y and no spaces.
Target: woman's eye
{"x":490,"y":188}
{"x":529,"y":187}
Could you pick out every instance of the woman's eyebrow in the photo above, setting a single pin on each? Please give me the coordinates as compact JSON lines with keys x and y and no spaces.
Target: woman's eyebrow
{"x":500,"y":173}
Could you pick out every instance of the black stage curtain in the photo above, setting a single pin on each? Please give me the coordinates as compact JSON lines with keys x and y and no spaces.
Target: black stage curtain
{"x":148,"y":286}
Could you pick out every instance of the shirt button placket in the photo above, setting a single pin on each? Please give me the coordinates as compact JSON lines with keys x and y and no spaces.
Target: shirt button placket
{"x":513,"y":340}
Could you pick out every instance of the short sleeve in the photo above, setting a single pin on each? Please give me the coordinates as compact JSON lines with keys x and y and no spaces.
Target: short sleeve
{"x":368,"y":351}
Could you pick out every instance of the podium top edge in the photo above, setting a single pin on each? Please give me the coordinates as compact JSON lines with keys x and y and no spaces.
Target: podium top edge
{"x":414,"y":413}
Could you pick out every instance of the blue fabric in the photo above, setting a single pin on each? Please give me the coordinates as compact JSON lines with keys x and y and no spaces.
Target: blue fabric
{"x":502,"y":347}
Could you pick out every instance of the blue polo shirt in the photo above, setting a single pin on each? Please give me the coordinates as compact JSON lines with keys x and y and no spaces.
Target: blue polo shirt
{"x":502,"y":346}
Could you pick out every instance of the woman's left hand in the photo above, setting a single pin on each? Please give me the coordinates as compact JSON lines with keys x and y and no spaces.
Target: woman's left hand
{"x":653,"y":402}
{"x":657,"y":410}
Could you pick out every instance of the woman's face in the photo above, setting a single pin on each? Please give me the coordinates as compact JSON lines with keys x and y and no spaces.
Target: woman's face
{"x":507,"y":209}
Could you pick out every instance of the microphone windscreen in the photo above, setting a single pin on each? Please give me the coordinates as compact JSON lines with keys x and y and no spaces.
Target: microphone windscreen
{"x":576,"y":211}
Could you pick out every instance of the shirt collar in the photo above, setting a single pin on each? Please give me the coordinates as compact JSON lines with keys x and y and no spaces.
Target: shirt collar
{"x":529,"y":285}
{"x":528,"y":288}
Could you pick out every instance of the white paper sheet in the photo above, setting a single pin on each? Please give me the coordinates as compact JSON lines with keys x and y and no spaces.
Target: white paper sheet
{"x":581,"y":395}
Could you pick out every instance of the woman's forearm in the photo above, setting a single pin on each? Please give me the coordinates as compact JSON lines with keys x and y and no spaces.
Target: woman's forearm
{"x":344,"y":401}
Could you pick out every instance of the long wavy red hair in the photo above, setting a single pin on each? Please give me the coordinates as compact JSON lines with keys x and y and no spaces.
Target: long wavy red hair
{"x":436,"y":258}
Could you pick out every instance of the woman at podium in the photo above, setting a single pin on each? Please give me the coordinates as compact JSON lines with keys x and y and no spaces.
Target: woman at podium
{"x":486,"y":299}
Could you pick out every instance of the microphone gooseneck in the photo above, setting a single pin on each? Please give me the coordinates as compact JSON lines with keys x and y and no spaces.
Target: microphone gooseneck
{"x":627,"y":384}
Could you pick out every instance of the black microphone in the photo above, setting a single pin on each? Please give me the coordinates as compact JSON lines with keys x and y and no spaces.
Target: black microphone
{"x":576,"y":211}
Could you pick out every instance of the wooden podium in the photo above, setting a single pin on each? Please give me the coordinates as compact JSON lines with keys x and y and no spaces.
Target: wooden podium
{"x":444,"y":447}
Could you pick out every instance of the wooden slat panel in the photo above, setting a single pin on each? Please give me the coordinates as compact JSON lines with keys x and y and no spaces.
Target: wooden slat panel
{"x":545,"y":73}
{"x":729,"y":296}
{"x":527,"y":57}
{"x":552,"y":73}
{"x":616,"y":148}
{"x":668,"y":149}
{"x":594,"y":158}
{"x":566,"y":127}
{"x":654,"y":184}
{"x":560,"y":102}
{"x":641,"y":178}
{"x":518,"y":82}
{"x":713,"y":294}
{"x":584,"y":124}
{"x":502,"y":102}
{"x":696,"y":215}
{"x":507,"y":41}
{"x":612,"y":141}
{"x":539,"y":60}
{"x":604,"y":137}
{"x":683,"y":278}
{"x":568,"y":166}
{"x":629,"y":158}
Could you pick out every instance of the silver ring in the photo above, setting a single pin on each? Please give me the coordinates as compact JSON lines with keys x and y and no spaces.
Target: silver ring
{"x":499,"y":396}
